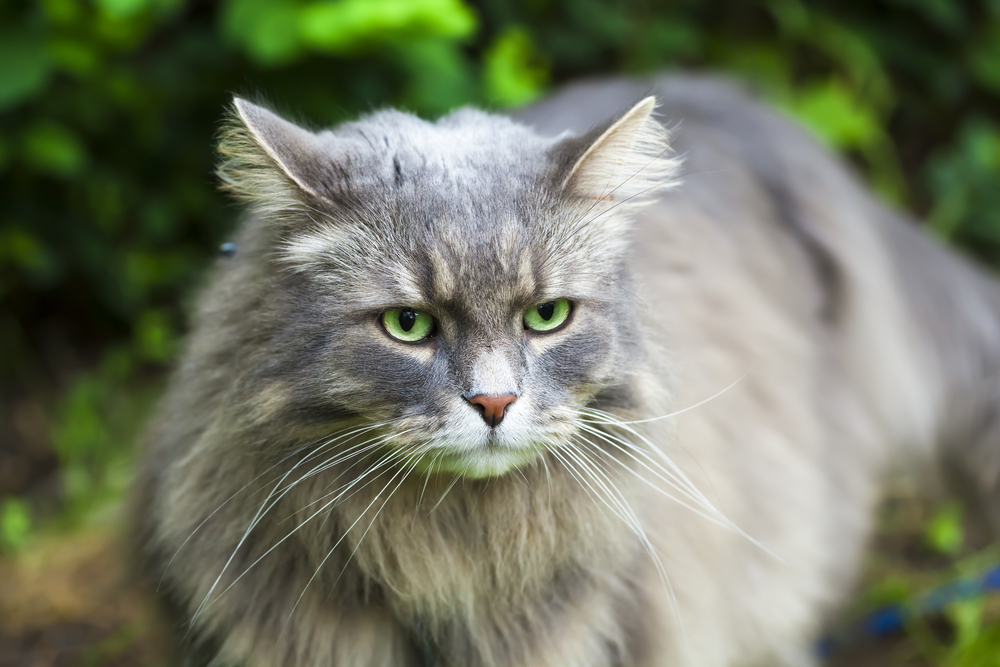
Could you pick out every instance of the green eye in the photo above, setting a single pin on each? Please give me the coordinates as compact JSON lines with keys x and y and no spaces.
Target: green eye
{"x":547,"y":316}
{"x":407,"y":325}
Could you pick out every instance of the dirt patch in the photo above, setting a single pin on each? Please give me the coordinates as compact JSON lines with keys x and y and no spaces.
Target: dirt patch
{"x":71,"y":601}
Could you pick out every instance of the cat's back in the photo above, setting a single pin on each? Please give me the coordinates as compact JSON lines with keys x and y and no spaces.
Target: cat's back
{"x":770,"y":253}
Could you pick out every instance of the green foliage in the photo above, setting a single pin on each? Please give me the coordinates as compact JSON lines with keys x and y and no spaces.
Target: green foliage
{"x":15,"y":524}
{"x":514,"y":72}
{"x":24,"y":66}
{"x":275,"y":32}
{"x":964,"y":178}
{"x":945,"y":532}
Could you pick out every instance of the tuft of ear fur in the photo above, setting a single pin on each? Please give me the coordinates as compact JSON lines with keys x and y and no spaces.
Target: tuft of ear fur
{"x":265,"y":158}
{"x":629,"y":162}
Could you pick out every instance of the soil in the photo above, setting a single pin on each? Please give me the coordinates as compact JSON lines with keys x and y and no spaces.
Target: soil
{"x":70,"y":601}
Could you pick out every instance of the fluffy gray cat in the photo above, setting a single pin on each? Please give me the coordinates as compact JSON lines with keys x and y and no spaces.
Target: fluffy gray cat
{"x":560,"y":390}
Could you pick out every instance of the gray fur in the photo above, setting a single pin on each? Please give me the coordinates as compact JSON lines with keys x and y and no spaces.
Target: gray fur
{"x":719,"y":536}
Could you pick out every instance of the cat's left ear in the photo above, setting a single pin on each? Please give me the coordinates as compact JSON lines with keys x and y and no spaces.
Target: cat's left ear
{"x":628,"y":161}
{"x":270,"y":161}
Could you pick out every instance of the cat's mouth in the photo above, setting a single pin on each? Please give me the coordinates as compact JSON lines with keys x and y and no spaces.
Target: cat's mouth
{"x":489,"y":460}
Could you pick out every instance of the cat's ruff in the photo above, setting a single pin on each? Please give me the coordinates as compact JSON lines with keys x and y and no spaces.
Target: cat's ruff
{"x":420,"y":416}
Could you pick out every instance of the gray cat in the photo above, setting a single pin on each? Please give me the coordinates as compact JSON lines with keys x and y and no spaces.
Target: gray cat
{"x":522,"y":392}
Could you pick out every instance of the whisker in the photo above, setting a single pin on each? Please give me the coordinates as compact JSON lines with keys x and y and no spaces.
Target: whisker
{"x":688,"y":408}
{"x":346,"y":532}
{"x":375,"y":443}
{"x":675,"y":470}
{"x":381,"y":462}
{"x":677,"y":480}
{"x":681,"y":477}
{"x":446,"y":492}
{"x":628,"y":516}
{"x":261,"y":512}
{"x":629,"y":448}
{"x":275,"y":546}
{"x":241,"y":490}
{"x":548,"y":481}
{"x":423,"y":489}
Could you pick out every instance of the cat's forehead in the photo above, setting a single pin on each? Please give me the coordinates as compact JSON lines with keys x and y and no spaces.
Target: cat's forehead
{"x":437,"y":209}
{"x":464,"y":139}
{"x":434,"y":256}
{"x":473,"y":207}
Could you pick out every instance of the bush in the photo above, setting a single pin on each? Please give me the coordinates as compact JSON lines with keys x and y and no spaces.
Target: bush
{"x":109,"y":211}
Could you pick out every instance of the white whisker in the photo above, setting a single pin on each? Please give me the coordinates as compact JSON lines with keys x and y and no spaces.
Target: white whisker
{"x":361,"y":515}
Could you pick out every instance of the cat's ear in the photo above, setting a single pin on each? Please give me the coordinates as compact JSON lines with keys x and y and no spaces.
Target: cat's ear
{"x":628,"y":161}
{"x":268,"y":160}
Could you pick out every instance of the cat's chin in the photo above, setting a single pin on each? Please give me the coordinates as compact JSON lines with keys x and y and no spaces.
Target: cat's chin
{"x":478,"y":464}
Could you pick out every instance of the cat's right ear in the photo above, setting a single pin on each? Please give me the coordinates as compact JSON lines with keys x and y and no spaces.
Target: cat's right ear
{"x":267,"y":160}
{"x":627,"y":161}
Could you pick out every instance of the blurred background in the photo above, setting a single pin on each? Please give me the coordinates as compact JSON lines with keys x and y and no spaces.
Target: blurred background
{"x":109,"y":214}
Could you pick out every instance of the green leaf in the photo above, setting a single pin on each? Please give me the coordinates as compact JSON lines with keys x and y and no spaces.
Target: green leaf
{"x":24,"y":251}
{"x":24,"y":66}
{"x":154,"y":336}
{"x":984,"y":60}
{"x":74,"y":56}
{"x":835,"y":114}
{"x":944,"y":532}
{"x":266,"y":29}
{"x":53,"y":149}
{"x":348,"y":25}
{"x":513,"y":70}
{"x":15,"y":524}
{"x":63,"y":12}
{"x":440,"y":78}
{"x":967,"y":617}
{"x":121,"y":9}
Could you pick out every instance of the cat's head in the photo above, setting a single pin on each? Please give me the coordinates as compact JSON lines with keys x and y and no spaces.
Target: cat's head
{"x":463,"y":281}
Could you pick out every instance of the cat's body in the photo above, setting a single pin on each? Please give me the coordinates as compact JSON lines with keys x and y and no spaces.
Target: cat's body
{"x":853,"y":342}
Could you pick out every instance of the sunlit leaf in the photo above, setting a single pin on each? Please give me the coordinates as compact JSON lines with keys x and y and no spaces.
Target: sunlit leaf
{"x":266,"y":29}
{"x":945,"y":532}
{"x":513,"y":70}
{"x":347,"y":25}
{"x":836,"y":115}
{"x":62,"y":11}
{"x":15,"y":524}
{"x":967,"y":617}
{"x":122,"y":8}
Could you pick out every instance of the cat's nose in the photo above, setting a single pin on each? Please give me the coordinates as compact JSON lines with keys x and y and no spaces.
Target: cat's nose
{"x":492,"y":408}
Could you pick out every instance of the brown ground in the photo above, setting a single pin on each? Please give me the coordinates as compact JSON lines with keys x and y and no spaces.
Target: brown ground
{"x":68,"y":601}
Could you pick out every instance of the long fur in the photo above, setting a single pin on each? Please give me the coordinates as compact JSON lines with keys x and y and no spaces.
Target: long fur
{"x":688,"y":473}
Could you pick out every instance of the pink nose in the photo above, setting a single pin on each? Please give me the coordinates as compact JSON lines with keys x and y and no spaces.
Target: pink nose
{"x":492,"y":408}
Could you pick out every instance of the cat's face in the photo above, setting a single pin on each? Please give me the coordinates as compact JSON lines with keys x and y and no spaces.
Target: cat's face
{"x":457,"y":281}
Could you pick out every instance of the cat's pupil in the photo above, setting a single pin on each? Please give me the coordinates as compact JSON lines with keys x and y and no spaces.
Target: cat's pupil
{"x":546,"y":310}
{"x":407,"y":319}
